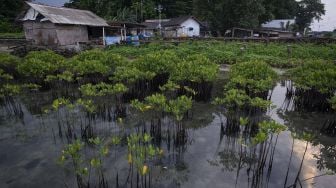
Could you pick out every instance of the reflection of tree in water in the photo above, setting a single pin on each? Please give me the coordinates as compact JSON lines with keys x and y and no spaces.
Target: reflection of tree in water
{"x":11,"y":108}
{"x":319,"y":130}
{"x":327,"y":157}
{"x":237,"y":153}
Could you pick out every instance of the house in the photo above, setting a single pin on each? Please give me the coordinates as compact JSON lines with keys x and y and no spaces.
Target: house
{"x":277,"y":29}
{"x":237,"y":32}
{"x":58,"y":26}
{"x":153,"y":26}
{"x":121,"y":31}
{"x":127,"y":28}
{"x":184,"y":26}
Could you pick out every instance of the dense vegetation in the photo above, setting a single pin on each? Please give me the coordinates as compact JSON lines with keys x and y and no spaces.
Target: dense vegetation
{"x":219,"y":14}
{"x":147,"y":67}
{"x":314,"y":85}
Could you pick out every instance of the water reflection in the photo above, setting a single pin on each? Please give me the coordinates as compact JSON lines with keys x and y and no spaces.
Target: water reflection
{"x":206,"y":149}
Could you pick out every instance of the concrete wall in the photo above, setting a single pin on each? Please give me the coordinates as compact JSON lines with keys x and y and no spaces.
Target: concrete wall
{"x":171,"y":32}
{"x":286,"y":35}
{"x":40,"y":33}
{"x":49,"y":34}
{"x":71,"y":34}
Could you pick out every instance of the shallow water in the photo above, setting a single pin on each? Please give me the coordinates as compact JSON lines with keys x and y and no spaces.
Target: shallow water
{"x":30,"y":146}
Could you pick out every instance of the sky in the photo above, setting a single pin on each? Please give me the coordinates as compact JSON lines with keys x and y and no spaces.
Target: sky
{"x":329,"y":19}
{"x":328,"y":22}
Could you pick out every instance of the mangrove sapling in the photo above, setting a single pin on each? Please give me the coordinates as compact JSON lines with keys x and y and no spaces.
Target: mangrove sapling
{"x":267,"y":128}
{"x":7,"y":87}
{"x":255,"y":78}
{"x":101,"y":150}
{"x":136,"y":80}
{"x":314,"y":84}
{"x":332,"y":101}
{"x":72,"y":152}
{"x":235,"y":104}
{"x":170,"y":89}
{"x":141,"y":153}
{"x":264,"y":138}
{"x":157,"y":104}
{"x":37,"y":65}
{"x":105,"y":90}
{"x":85,"y":166}
{"x":197,"y":73}
{"x":178,"y":108}
{"x":246,"y":93}
{"x":89,"y":71}
{"x":62,"y":80}
{"x":67,"y":117}
{"x":8,"y":64}
{"x":65,"y":109}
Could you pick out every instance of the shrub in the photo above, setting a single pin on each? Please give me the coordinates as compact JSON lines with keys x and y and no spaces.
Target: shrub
{"x":39,"y":64}
{"x":255,"y":77}
{"x":315,"y":75}
{"x":88,"y":67}
{"x":158,"y":62}
{"x":195,"y":68}
{"x":8,"y":63}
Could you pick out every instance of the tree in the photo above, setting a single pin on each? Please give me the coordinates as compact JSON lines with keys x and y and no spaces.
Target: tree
{"x":307,"y":11}
{"x":10,"y":9}
{"x":279,"y":9}
{"x":225,"y":14}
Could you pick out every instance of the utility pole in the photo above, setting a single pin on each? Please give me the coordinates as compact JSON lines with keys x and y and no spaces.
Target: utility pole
{"x":141,"y":11}
{"x":160,"y":8}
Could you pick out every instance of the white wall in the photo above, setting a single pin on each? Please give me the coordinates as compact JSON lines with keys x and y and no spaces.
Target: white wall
{"x":190,"y":23}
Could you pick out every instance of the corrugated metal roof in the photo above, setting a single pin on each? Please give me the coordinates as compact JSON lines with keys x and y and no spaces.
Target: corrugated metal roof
{"x":151,"y":25}
{"x":178,"y":21}
{"x":279,"y":24}
{"x":154,"y":24}
{"x":60,"y":15}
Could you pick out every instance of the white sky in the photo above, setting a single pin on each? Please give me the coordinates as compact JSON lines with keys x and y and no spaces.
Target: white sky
{"x":327,"y":24}
{"x":329,"y":19}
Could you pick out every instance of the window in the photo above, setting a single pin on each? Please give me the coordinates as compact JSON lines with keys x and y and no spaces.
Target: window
{"x":191,"y":29}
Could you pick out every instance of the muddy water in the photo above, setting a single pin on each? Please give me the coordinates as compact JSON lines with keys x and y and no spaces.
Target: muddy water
{"x":30,"y":146}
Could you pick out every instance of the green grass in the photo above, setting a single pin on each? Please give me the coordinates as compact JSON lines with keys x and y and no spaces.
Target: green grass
{"x":12,"y":35}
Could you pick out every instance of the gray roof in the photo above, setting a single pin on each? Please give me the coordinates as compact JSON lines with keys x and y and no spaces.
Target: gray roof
{"x":279,"y":24}
{"x":151,"y":25}
{"x":154,"y":24}
{"x":178,"y":21}
{"x":61,"y":15}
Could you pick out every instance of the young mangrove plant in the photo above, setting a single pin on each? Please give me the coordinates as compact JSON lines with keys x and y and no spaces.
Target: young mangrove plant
{"x":7,"y":87}
{"x":88,"y":168}
{"x":313,"y":84}
{"x":72,"y":152}
{"x":8,"y":64}
{"x":37,"y":65}
{"x":266,"y":129}
{"x":255,"y":78}
{"x":332,"y":101}
{"x":141,"y":155}
{"x":246,"y":94}
{"x":67,"y":116}
{"x":197,"y":73}
{"x":105,"y":90}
